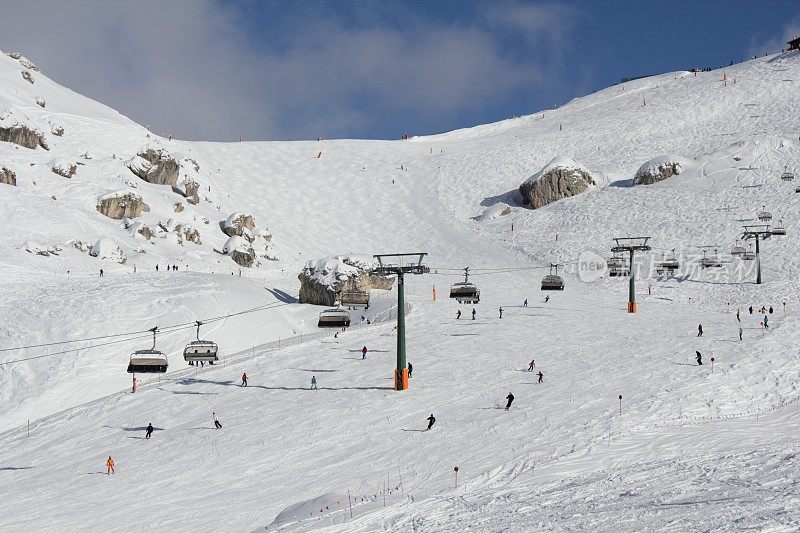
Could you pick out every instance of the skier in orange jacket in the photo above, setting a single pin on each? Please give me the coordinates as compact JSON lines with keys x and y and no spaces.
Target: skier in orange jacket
{"x":110,"y":466}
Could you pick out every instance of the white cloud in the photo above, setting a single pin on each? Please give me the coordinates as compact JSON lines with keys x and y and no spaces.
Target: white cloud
{"x":188,"y":67}
{"x":790,"y":30}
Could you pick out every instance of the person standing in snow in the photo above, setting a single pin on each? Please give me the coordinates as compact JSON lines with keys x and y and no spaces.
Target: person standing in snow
{"x":244,"y":380}
{"x":501,"y":312}
{"x":541,"y":377}
{"x":751,"y":309}
{"x":364,"y":353}
{"x":101,"y":272}
{"x":737,"y":316}
{"x":699,"y":358}
{"x":314,"y":383}
{"x":740,"y":332}
{"x":458,"y":314}
{"x":770,"y":309}
{"x":766,"y":322}
{"x":216,"y":421}
{"x":156,"y":268}
{"x":473,"y":313}
{"x":525,"y":303}
{"x":510,"y":399}
{"x":410,"y":369}
{"x":431,"y":420}
{"x":148,"y":431}
{"x":532,"y":365}
{"x":700,"y":330}
{"x":110,"y":466}
{"x":547,"y":298}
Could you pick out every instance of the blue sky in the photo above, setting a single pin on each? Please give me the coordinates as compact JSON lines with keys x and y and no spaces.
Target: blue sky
{"x":288,"y":69}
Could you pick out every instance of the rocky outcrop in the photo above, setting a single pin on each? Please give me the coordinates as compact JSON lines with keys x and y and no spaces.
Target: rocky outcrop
{"x":190,"y":190}
{"x":323,"y":280}
{"x":660,"y":168}
{"x":63,"y":167}
{"x":240,"y":251}
{"x":41,"y":102}
{"x":27,"y":76}
{"x":191,"y":234}
{"x":27,"y":63}
{"x":57,"y":130}
{"x":33,"y":247}
{"x":122,"y":204}
{"x":145,"y":232}
{"x":561,"y":178}
{"x":155,"y":165}
{"x":239,"y":224}
{"x":178,"y":207}
{"x":23,"y":136}
{"x":7,"y":176}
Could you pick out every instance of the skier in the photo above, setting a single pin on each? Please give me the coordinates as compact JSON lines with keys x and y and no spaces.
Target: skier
{"x":770,"y":309}
{"x":410,"y":369}
{"x":547,"y":298}
{"x":700,"y":330}
{"x":156,"y":268}
{"x":740,"y":332}
{"x":510,"y":399}
{"x":737,"y":316}
{"x":110,"y":466}
{"x":541,"y":376}
{"x":148,"y":431}
{"x":336,"y":335}
{"x":101,"y":272}
{"x":501,"y":312}
{"x":766,"y":322}
{"x":751,"y":309}
{"x":314,"y":382}
{"x":699,"y":358}
{"x":473,"y":313}
{"x":532,"y":365}
{"x":525,"y":303}
{"x":364,"y":353}
{"x":431,"y":420}
{"x":244,"y":380}
{"x":458,"y":314}
{"x":216,"y":421}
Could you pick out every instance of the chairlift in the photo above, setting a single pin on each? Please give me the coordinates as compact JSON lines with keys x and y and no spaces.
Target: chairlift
{"x":778,"y":229}
{"x":787,"y":176}
{"x":738,"y":250}
{"x":200,"y":350}
{"x":711,"y":262}
{"x":668,"y":265}
{"x":552,"y":281}
{"x":355,"y":299}
{"x":749,"y":255}
{"x":764,"y":215}
{"x":334,"y":318}
{"x":465,"y":292}
{"x":150,"y":361}
{"x":618,"y":266}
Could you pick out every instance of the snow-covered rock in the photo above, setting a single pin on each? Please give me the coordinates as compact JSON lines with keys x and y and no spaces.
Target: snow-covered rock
{"x":27,"y":63}
{"x":190,"y":190}
{"x":240,"y":224}
{"x":108,"y":250}
{"x":41,"y":102}
{"x":17,"y":128}
{"x":33,"y":247}
{"x":323,"y":280}
{"x":27,"y":76}
{"x":240,"y":251}
{"x":154,"y":164}
{"x":7,"y":176}
{"x":122,"y":204}
{"x":561,"y":178}
{"x":661,"y":168}
{"x":63,"y":167}
{"x":493,"y":212}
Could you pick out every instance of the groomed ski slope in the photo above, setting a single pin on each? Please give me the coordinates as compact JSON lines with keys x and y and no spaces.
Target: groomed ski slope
{"x":688,"y":450}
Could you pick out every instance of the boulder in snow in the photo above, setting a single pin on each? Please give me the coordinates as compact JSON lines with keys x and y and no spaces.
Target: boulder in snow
{"x":178,"y":207}
{"x":63,"y":167}
{"x":17,"y":128}
{"x":240,"y":224}
{"x":33,"y":247}
{"x":240,"y":251}
{"x":108,"y":250}
{"x":154,"y":164}
{"x":493,"y":212}
{"x":27,"y":76}
{"x":190,"y":191}
{"x":122,"y":204}
{"x":323,"y":280}
{"x":40,"y":102}
{"x":7,"y":176}
{"x":27,"y":63}
{"x":660,"y":168}
{"x":561,"y":178}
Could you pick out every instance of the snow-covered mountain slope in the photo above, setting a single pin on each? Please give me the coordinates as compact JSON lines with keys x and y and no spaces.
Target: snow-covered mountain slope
{"x":285,"y":450}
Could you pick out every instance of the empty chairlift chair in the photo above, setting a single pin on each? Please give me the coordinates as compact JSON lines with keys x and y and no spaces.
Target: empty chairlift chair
{"x":200,"y":350}
{"x":778,"y":229}
{"x":749,"y":255}
{"x":465,"y":292}
{"x":355,"y":299}
{"x":668,"y":265}
{"x":711,"y":261}
{"x":334,"y":318}
{"x":764,"y":215}
{"x":618,"y":266}
{"x":738,"y":250}
{"x":552,"y":281}
{"x":787,"y":176}
{"x":150,"y":361}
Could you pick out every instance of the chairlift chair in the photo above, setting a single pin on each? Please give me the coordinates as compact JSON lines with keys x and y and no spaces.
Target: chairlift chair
{"x":355,"y":299}
{"x":465,"y":292}
{"x":738,"y":250}
{"x":778,"y":229}
{"x":749,"y":255}
{"x":150,"y":361}
{"x":552,"y":281}
{"x":764,"y":215}
{"x":668,"y":265}
{"x":334,"y":318}
{"x":200,"y":350}
{"x":618,"y":266}
{"x":711,"y":262}
{"x":787,"y":176}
